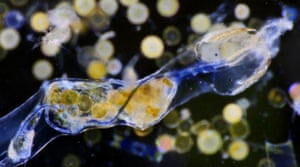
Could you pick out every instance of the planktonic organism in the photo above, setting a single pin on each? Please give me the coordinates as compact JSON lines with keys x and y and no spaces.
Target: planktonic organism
{"x":225,"y":62}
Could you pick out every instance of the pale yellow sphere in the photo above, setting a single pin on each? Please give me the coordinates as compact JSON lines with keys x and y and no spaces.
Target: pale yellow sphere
{"x":104,"y":49}
{"x":39,"y":22}
{"x":238,"y":150}
{"x":50,"y":49}
{"x":209,"y":141}
{"x":200,"y":23}
{"x":152,"y":46}
{"x":42,"y":69}
{"x":167,"y":8}
{"x":242,"y":11}
{"x":84,"y":7}
{"x":138,"y":13}
{"x":110,"y":7}
{"x":96,"y":69}
{"x":232,"y":113}
{"x":9,"y":38}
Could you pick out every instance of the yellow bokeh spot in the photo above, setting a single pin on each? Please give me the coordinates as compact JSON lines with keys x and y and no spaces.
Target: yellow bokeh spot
{"x":137,"y":13}
{"x":39,"y":22}
{"x":242,"y":11}
{"x":232,"y":113}
{"x":84,"y":7}
{"x":209,"y":141}
{"x":96,"y":69}
{"x":238,"y":150}
{"x":42,"y":69}
{"x":200,"y":23}
{"x":152,"y":46}
{"x":104,"y":49}
{"x":167,"y":8}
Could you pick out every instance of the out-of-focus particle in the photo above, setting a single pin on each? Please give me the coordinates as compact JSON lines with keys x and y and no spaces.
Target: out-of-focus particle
{"x":244,"y":103}
{"x":71,"y":160}
{"x":114,"y":66}
{"x":110,"y":7}
{"x":50,"y":49}
{"x":199,"y":126}
{"x":183,"y":143}
{"x":137,"y":13}
{"x":219,"y":124}
{"x":294,"y":90}
{"x":92,"y":137}
{"x":98,"y":20}
{"x":232,"y":113}
{"x":85,"y":55}
{"x":242,"y":11}
{"x":96,"y":69}
{"x":9,"y":38}
{"x":42,"y":69}
{"x":266,"y":162}
{"x":165,"y":143}
{"x":240,"y":129}
{"x":185,"y":114}
{"x":62,"y":16}
{"x":39,"y":22}
{"x":104,"y":49}
{"x":164,"y":58}
{"x":167,"y":8}
{"x":143,"y":133}
{"x":128,"y":2}
{"x":172,"y":120}
{"x":276,"y":98}
{"x":200,"y":23}
{"x":171,"y":35}
{"x":84,"y":7}
{"x":152,"y":46}
{"x":238,"y":150}
{"x":3,"y":9}
{"x":184,"y":126}
{"x":209,"y":141}
{"x":18,"y":3}
{"x":14,"y":19}
{"x":79,"y":26}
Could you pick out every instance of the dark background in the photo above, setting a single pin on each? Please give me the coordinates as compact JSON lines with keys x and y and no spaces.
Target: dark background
{"x":17,"y":84}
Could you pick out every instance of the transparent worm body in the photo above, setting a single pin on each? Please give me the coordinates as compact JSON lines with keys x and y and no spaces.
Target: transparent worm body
{"x":224,"y":62}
